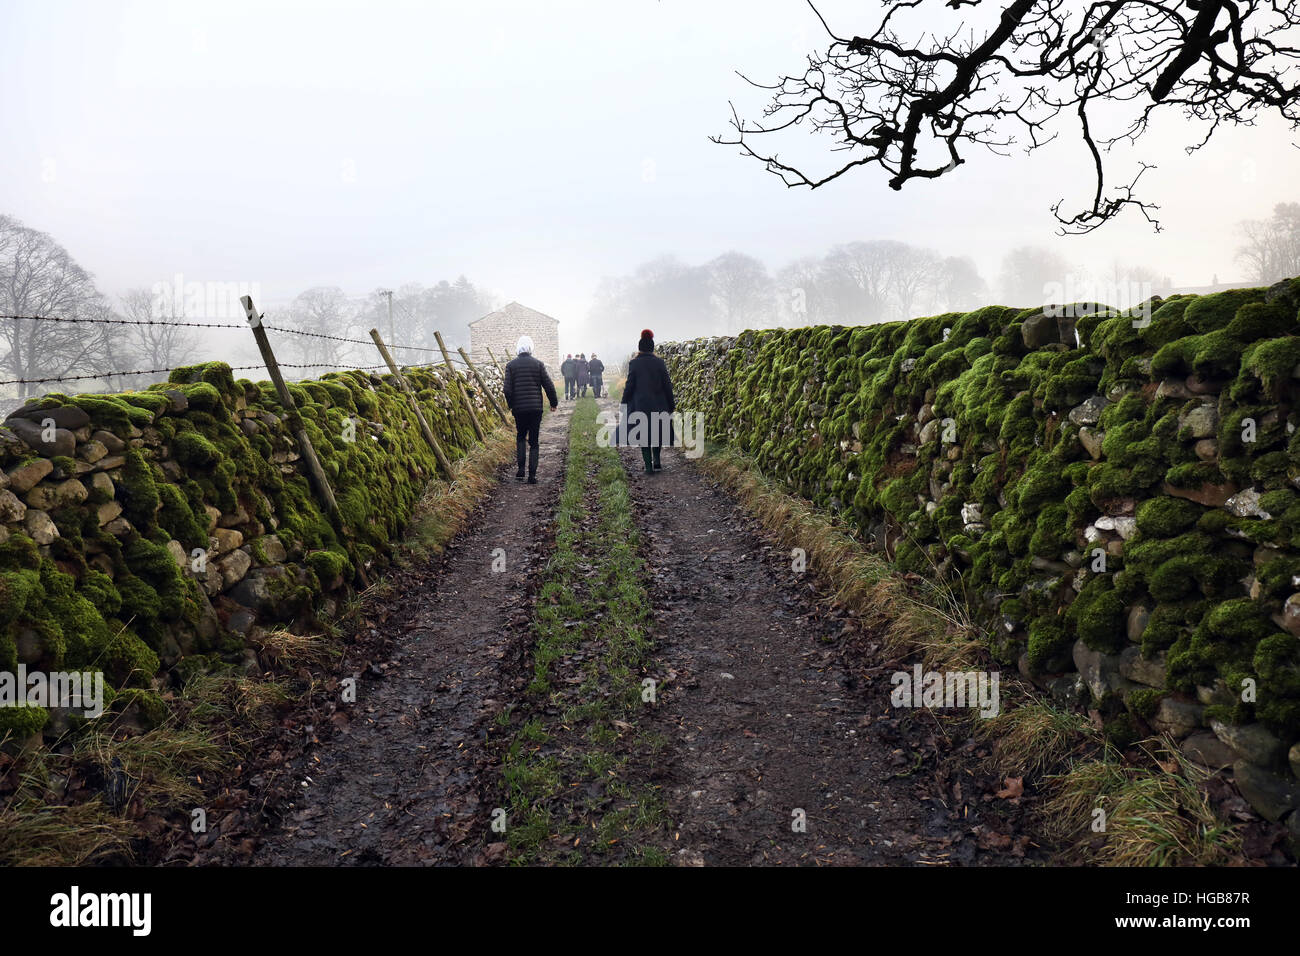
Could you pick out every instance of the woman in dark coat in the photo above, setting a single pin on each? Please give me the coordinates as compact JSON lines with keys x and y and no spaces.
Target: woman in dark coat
{"x":649,"y":392}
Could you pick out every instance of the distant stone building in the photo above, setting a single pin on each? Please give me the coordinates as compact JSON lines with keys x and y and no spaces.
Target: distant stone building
{"x":500,"y":331}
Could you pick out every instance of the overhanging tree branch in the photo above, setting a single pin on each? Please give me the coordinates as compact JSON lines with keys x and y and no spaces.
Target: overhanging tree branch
{"x":914,"y":102}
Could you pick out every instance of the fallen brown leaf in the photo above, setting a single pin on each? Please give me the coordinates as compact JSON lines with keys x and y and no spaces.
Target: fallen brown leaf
{"x":1012,"y":788}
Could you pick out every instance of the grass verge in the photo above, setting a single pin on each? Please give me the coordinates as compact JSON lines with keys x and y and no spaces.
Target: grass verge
{"x":570,"y":751}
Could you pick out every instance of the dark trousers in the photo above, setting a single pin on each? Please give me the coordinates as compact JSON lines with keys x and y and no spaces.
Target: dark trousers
{"x":570,"y":387}
{"x":582,"y":389}
{"x":596,"y":383}
{"x":651,"y":440}
{"x":528,"y":428}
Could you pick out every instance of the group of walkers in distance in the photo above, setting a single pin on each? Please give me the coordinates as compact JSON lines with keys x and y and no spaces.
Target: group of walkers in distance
{"x":647,"y":396}
{"x":579,"y":373}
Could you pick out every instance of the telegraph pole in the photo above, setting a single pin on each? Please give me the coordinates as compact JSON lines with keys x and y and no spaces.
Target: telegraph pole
{"x":388,"y":293}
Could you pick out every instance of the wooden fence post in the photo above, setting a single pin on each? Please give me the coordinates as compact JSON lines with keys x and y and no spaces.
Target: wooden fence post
{"x":319,"y":481}
{"x":496,"y":362}
{"x":429,"y":437}
{"x":473,"y":418}
{"x":483,"y":385}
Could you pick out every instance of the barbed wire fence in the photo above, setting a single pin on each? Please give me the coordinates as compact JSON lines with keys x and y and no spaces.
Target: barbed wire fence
{"x":108,"y":376}
{"x":460,"y":368}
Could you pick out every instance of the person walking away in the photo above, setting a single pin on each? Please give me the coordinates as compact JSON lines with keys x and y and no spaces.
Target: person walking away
{"x":526,"y":379}
{"x":584,"y":376}
{"x":596,"y":369}
{"x":648,"y":391}
{"x":570,"y":376}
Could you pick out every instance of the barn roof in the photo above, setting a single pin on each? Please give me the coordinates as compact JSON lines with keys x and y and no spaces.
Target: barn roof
{"x":514,"y":311}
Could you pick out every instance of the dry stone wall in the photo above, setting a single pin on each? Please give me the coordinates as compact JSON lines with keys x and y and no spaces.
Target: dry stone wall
{"x":1118,"y":494}
{"x":149,"y":533}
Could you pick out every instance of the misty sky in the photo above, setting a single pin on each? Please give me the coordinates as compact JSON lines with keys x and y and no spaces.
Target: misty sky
{"x":532,"y":146}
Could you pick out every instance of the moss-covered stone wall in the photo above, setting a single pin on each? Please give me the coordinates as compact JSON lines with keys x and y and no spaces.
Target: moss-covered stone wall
{"x":152,"y":532}
{"x":1118,"y":494}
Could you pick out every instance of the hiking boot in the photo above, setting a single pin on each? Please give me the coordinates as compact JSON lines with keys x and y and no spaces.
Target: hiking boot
{"x":532,"y":479}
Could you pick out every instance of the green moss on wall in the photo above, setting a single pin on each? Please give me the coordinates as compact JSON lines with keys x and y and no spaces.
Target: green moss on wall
{"x":113,"y":596}
{"x":839,"y":414}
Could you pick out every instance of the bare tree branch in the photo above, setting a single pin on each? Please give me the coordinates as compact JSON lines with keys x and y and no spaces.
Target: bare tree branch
{"x":1011,"y":74}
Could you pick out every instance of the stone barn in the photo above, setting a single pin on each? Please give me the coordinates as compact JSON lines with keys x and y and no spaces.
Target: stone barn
{"x":500,"y":331}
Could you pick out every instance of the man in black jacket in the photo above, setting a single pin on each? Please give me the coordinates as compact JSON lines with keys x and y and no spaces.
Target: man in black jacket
{"x":526,"y":379}
{"x":580,"y":370}
{"x":596,"y":368}
{"x":570,"y":377}
{"x":648,"y":400}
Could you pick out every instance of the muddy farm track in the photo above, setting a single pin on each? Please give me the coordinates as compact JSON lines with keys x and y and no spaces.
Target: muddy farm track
{"x":400,"y":780}
{"x":771,"y":723}
{"x":778,"y":744}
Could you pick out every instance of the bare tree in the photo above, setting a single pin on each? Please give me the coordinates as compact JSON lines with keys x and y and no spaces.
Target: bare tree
{"x":451,"y":306}
{"x":914,"y":278}
{"x":419,"y":311}
{"x":1271,"y":250}
{"x":803,"y":296}
{"x":38,"y":277}
{"x":327,"y":314}
{"x":154,"y":346}
{"x":913,"y":99}
{"x":856,"y":283}
{"x":959,"y":285}
{"x":857,"y":277}
{"x":407,"y":326}
{"x":741,"y":292}
{"x":880,"y":280}
{"x":1027,"y":273}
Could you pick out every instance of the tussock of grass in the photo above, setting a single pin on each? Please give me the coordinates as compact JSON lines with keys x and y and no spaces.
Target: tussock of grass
{"x":291,"y":650}
{"x":231,"y":707}
{"x":210,"y":724}
{"x":1155,"y":815}
{"x":33,"y":833}
{"x":944,"y":643}
{"x":1035,"y":737}
{"x":163,"y":767}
